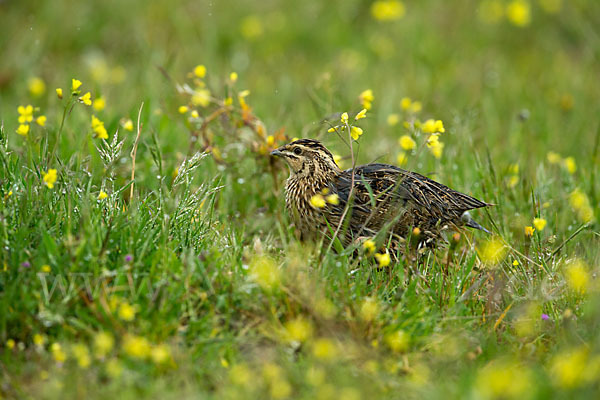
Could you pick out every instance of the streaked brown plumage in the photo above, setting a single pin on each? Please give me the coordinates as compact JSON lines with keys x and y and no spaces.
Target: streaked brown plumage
{"x":385,"y":197}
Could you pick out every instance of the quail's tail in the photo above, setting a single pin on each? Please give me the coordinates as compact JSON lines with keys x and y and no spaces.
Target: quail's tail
{"x":470,"y":222}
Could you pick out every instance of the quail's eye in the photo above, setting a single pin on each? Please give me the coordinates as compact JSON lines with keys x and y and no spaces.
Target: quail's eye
{"x":297,"y":151}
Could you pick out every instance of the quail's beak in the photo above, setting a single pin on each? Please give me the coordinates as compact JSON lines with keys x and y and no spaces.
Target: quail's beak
{"x":277,"y":153}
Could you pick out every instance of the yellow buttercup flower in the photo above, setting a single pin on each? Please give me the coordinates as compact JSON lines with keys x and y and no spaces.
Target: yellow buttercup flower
{"x":41,"y":120}
{"x":86,"y":99}
{"x":25,"y":113}
{"x":577,"y":276}
{"x":369,"y":246}
{"x":102,"y":195}
{"x":200,"y":71}
{"x":355,"y":132}
{"x":127,"y":311}
{"x":59,"y":93}
{"x":405,"y":103}
{"x":407,"y":143}
{"x":37,"y":87}
{"x":397,"y":341}
{"x":387,"y":10}
{"x":298,"y":330}
{"x":128,"y":125}
{"x":50,"y":178}
{"x":433,"y":126}
{"x":182,"y":109}
{"x":383,"y":259}
{"x":539,"y":223}
{"x":75,"y":84}
{"x":136,"y":346}
{"x":518,"y":13}
{"x":570,"y":165}
{"x":99,"y":103}
{"x":23,"y":130}
{"x":233,"y":77}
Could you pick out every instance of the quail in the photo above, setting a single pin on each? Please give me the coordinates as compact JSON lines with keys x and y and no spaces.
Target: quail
{"x":383,"y":198}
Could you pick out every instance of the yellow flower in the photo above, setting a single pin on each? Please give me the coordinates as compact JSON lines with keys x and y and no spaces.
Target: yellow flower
{"x":325,"y":349}
{"x":416,"y":107}
{"x":195,"y":114}
{"x":333,"y":129}
{"x":298,"y":330}
{"x":25,"y":113}
{"x":59,"y":93}
{"x":102,"y":195}
{"x":317,"y":201}
{"x":113,"y":368}
{"x":99,"y":103}
{"x":369,"y":246}
{"x":39,"y":340}
{"x":200,"y":71}
{"x":388,"y":10}
{"x":578,"y":277}
{"x":581,"y":204}
{"x":515,"y":263}
{"x":264,"y":272}
{"x":492,"y":251}
{"x":160,"y":354}
{"x":201,"y":97}
{"x":86,"y":99}
{"x":393,"y":119}
{"x":569,"y":367}
{"x":23,"y":130}
{"x":570,"y":165}
{"x":45,"y":268}
{"x":128,"y":125}
{"x":433,"y":126}
{"x":228,"y":101}
{"x":369,"y":309}
{"x":539,"y":223}
{"x":233,"y":77}
{"x":10,"y":344}
{"x":435,"y":146}
{"x":529,"y":230}
{"x":182,"y":109}
{"x":58,"y":353}
{"x":355,"y":132}
{"x":397,"y":341}
{"x":402,"y":159}
{"x":41,"y":120}
{"x":518,"y":13}
{"x":136,"y":346}
{"x":366,"y":98}
{"x":383,"y":259}
{"x":405,"y":103}
{"x":37,"y":87}
{"x":553,"y":158}
{"x":241,"y":375}
{"x":75,"y":84}
{"x":513,"y":180}
{"x":127,"y":311}
{"x":491,"y":11}
{"x":344,"y":118}
{"x":503,"y":379}
{"x":361,"y":114}
{"x":333,"y":199}
{"x":50,"y":178}
{"x":98,"y":128}
{"x":251,"y":27}
{"x":407,"y":143}
{"x":82,"y":355}
{"x":103,"y":344}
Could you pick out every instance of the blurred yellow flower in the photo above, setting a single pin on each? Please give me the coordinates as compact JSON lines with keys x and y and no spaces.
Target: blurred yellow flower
{"x":344,"y":118}
{"x":539,"y":223}
{"x":201,"y":97}
{"x":518,"y":12}
{"x":39,"y":340}
{"x":75,"y":84}
{"x":416,"y":107}
{"x":233,"y":77}
{"x":200,"y":71}
{"x":503,"y":380}
{"x":581,"y":204}
{"x":492,"y":251}
{"x":570,"y":165}
{"x":50,"y":178}
{"x":405,"y":103}
{"x":361,"y":114}
{"x":59,"y":93}
{"x":102,"y":195}
{"x":317,"y":201}
{"x":407,"y":143}
{"x":25,"y":113}
{"x":333,"y":199}
{"x":263,"y":271}
{"x":325,"y":349}
{"x":577,"y":276}
{"x":433,"y":126}
{"x":553,"y":158}
{"x":355,"y":132}
{"x":41,"y":120}
{"x":98,"y":128}
{"x":103,"y":344}
{"x":568,"y":368}
{"x":82,"y":355}
{"x":369,"y":246}
{"x":127,"y":311}
{"x":128,"y":125}
{"x":383,"y":259}
{"x":241,"y":375}
{"x":435,"y":146}
{"x":99,"y":103}
{"x":160,"y":354}
{"x":182,"y":109}
{"x":529,"y":230}
{"x":387,"y":10}
{"x":298,"y":330}
{"x":369,"y":309}
{"x":393,"y":119}
{"x":113,"y":368}
{"x":45,"y":268}
{"x":397,"y":341}
{"x":86,"y":99}
{"x":10,"y":344}
{"x":23,"y":130}
{"x":37,"y":87}
{"x":58,"y":353}
{"x":136,"y":346}
{"x":366,"y":98}
{"x":251,"y":27}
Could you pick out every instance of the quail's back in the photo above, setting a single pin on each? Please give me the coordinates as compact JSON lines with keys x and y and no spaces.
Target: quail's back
{"x":382,"y":197}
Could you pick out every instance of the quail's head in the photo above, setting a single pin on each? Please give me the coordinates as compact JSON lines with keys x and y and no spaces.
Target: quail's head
{"x":306,"y":156}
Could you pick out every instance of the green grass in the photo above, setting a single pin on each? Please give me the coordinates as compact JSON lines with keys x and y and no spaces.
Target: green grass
{"x":196,"y":274}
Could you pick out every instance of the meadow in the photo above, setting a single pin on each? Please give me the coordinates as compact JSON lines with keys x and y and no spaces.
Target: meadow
{"x":146,"y":250}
